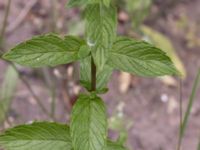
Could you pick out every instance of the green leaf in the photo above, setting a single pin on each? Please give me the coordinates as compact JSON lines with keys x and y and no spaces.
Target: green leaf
{"x":73,"y":3}
{"x":42,"y":135}
{"x":45,"y":50}
{"x":140,"y":58}
{"x":103,"y":75}
{"x":7,"y":91}
{"x":89,"y":124}
{"x":101,"y":23}
{"x":198,"y":148}
{"x":114,"y":146}
{"x":164,"y":43}
{"x":138,"y":10}
{"x":84,"y":51}
{"x":73,"y":43}
{"x":37,"y":136}
{"x":106,"y":2}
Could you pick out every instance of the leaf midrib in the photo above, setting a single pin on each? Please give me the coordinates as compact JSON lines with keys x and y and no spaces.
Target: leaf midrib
{"x":137,"y":59}
{"x":122,"y":54}
{"x":49,"y":140}
{"x":70,"y":51}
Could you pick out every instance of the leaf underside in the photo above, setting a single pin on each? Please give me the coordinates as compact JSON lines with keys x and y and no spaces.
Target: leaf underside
{"x":140,"y":58}
{"x":89,"y":124}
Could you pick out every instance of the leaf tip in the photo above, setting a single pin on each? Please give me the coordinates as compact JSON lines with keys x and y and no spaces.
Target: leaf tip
{"x":5,"y":56}
{"x":179,"y":73}
{"x":71,"y":4}
{"x":68,"y":5}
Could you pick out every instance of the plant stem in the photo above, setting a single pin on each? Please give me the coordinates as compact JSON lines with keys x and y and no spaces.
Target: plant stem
{"x":3,"y":30}
{"x":93,"y":75}
{"x":5,"y":20}
{"x":180,"y":113}
{"x":49,"y":80}
{"x":191,"y":101}
{"x":19,"y":19}
{"x":53,"y":101}
{"x":53,"y":16}
{"x":198,"y":147}
{"x":37,"y":99}
{"x":2,"y":34}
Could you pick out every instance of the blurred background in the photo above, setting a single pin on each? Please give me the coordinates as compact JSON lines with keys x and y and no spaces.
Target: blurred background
{"x":143,"y":111}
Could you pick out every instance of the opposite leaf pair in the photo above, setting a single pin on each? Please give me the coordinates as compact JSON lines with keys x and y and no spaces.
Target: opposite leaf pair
{"x":127,"y":55}
{"x":42,"y":136}
{"x":88,"y":131}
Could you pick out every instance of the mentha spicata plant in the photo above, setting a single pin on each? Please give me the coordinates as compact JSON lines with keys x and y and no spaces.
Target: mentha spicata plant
{"x":99,"y":53}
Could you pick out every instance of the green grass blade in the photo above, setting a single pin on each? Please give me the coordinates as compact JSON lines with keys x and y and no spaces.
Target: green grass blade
{"x":199,"y":145}
{"x":190,"y":104}
{"x":7,"y":91}
{"x":188,"y":111}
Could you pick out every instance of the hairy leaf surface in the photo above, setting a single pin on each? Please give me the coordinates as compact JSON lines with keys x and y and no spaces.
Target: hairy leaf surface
{"x":140,"y":58}
{"x":100,"y":31}
{"x":88,"y":125}
{"x":45,"y":50}
{"x":37,"y":136}
{"x":103,"y":75}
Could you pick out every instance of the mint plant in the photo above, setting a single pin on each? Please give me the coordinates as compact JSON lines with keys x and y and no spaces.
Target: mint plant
{"x":99,"y":53}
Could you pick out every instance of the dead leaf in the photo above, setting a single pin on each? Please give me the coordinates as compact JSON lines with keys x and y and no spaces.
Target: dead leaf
{"x":124,"y":82}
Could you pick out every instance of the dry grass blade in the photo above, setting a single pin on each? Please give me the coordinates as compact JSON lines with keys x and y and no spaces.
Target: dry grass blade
{"x":21,"y":16}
